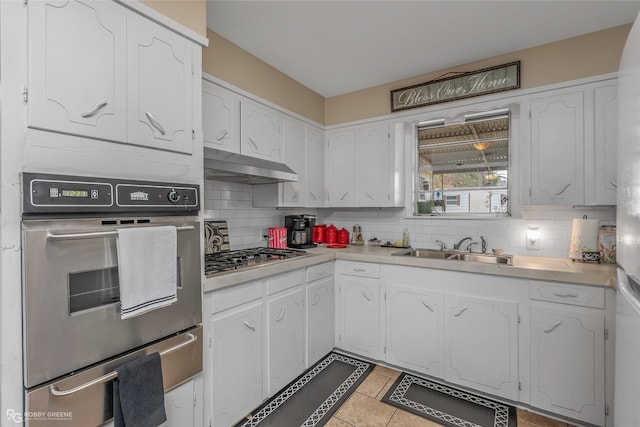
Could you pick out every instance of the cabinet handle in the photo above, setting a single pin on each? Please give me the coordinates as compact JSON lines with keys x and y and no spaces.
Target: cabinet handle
{"x":313,"y":196}
{"x":560,"y":295}
{"x":615,"y":184}
{"x":364,"y":294}
{"x":221,"y":137}
{"x":248,"y":325}
{"x":369,"y":196}
{"x":344,"y":195}
{"x":155,"y":123}
{"x":252,"y":142}
{"x":316,"y":299}
{"x":546,"y":331}
{"x":563,"y":189}
{"x":295,"y":196}
{"x":95,"y":109}
{"x":281,"y":315}
{"x":359,"y":270}
{"x":427,"y":305}
{"x":461,"y":311}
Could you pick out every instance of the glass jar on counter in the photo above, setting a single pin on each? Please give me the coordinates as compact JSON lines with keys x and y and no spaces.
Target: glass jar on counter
{"x":607,"y":244}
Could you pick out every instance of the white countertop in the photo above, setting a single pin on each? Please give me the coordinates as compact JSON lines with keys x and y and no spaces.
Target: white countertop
{"x":537,"y":268}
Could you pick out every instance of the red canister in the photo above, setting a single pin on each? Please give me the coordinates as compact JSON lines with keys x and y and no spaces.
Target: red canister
{"x":331,"y":235}
{"x":319,"y":232}
{"x":343,"y":236}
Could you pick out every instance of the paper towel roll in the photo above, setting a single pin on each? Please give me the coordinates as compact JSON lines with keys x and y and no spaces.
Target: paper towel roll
{"x":584,"y":237}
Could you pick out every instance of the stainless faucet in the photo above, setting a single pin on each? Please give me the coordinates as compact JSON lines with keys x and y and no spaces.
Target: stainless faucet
{"x":456,"y":246}
{"x":484,"y":244}
{"x":442,"y":244}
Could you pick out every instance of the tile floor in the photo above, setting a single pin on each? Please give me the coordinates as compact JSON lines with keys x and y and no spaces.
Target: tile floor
{"x":364,"y":408}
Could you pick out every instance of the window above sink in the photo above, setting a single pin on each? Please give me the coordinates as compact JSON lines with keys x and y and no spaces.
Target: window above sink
{"x":463,"y":166}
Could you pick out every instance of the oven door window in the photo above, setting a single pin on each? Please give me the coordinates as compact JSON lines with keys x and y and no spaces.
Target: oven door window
{"x":97,"y":288}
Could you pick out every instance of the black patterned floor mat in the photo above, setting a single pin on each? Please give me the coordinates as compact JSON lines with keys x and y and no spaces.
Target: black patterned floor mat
{"x":312,"y":398}
{"x":446,"y":405}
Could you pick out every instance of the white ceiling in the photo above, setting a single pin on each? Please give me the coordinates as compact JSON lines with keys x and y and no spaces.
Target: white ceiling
{"x":336,"y":47}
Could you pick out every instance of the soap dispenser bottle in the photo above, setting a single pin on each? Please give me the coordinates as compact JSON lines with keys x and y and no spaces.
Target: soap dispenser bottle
{"x":405,"y":237}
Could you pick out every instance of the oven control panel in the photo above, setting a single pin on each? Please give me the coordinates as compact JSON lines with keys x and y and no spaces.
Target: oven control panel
{"x":45,"y":193}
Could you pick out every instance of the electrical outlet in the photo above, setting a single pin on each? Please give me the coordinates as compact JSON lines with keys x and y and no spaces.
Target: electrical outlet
{"x":533,"y":240}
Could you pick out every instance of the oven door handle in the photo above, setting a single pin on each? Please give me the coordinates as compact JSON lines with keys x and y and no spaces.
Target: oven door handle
{"x":97,"y":234}
{"x":55,"y":391}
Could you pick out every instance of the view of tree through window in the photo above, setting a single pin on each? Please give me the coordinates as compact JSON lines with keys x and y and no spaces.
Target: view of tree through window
{"x":463,"y":167}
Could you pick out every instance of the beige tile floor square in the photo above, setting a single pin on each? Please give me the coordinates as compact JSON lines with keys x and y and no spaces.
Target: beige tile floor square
{"x":364,"y":408}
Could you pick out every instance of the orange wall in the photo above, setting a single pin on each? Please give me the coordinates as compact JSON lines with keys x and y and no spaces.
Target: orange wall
{"x":234,"y":65}
{"x":578,"y":57}
{"x":190,"y":13}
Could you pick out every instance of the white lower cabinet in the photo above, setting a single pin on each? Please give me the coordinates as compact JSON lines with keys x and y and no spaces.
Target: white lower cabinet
{"x":320,"y":300}
{"x":286,"y":338}
{"x":567,"y":361}
{"x":233,"y":361}
{"x":359,"y":320}
{"x":414,"y":329}
{"x":482,"y":344}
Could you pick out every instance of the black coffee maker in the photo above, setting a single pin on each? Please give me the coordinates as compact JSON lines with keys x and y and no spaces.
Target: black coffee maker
{"x":300,"y":231}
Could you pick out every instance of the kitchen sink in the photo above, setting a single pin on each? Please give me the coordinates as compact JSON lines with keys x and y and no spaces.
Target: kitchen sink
{"x":456,"y":256}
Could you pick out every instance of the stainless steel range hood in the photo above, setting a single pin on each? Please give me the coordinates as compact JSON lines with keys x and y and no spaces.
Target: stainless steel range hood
{"x":231,"y":167}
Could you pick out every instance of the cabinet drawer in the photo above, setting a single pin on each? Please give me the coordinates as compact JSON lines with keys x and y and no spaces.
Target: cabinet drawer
{"x":361,"y":269}
{"x":319,"y":271}
{"x":285,"y":281}
{"x":586,"y":296}
{"x":235,"y":295}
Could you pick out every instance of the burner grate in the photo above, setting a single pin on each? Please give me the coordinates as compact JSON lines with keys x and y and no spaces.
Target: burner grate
{"x":246,"y":258}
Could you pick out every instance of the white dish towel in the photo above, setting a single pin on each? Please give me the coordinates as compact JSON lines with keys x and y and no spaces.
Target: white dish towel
{"x":147,"y":268}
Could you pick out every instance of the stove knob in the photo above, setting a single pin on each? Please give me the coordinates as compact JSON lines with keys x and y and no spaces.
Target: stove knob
{"x":173,"y":196}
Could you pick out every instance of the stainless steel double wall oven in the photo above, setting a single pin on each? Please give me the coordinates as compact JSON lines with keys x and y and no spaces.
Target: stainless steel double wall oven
{"x":74,"y":336}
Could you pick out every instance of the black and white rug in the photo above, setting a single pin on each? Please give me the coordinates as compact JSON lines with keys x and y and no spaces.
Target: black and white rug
{"x":312,"y":398}
{"x":446,"y":405}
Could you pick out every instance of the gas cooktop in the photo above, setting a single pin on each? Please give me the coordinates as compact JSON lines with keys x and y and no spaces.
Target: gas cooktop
{"x":227,"y":261}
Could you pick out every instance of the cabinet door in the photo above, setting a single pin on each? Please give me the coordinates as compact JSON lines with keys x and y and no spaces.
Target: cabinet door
{"x":415,"y":338}
{"x":481,"y":345}
{"x":605,"y":159}
{"x":178,"y":404}
{"x":557,"y":149}
{"x":315,"y":168}
{"x":374,"y":166}
{"x":286,"y":339}
{"x":295,"y":157}
{"x":567,"y":361}
{"x":77,"y":76}
{"x":359,"y":316}
{"x":320,"y":319}
{"x":220,"y":118}
{"x":159,"y":71}
{"x":236,"y":364}
{"x":261,"y":132}
{"x":341,"y":152}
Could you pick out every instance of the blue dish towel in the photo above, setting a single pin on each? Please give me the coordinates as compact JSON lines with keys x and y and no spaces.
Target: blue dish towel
{"x":138,"y":393}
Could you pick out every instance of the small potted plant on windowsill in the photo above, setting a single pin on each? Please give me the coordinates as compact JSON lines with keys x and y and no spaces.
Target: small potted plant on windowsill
{"x":426,"y":207}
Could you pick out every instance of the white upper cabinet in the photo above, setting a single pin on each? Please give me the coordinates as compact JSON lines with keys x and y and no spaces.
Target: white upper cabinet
{"x":159,"y":87}
{"x":220,"y":118}
{"x":341,"y":159}
{"x":102,"y":71}
{"x":557,"y":149}
{"x":573,"y":136}
{"x":261,"y":132}
{"x":295,"y":153}
{"x":374,"y":166}
{"x":315,"y":168}
{"x":360,"y":167}
{"x":77,"y":76}
{"x":604,"y":160}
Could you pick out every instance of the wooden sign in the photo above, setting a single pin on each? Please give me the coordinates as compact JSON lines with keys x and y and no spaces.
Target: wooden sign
{"x":475,"y":83}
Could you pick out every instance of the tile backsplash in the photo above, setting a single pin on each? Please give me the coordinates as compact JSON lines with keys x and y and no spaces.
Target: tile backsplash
{"x":247,"y":224}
